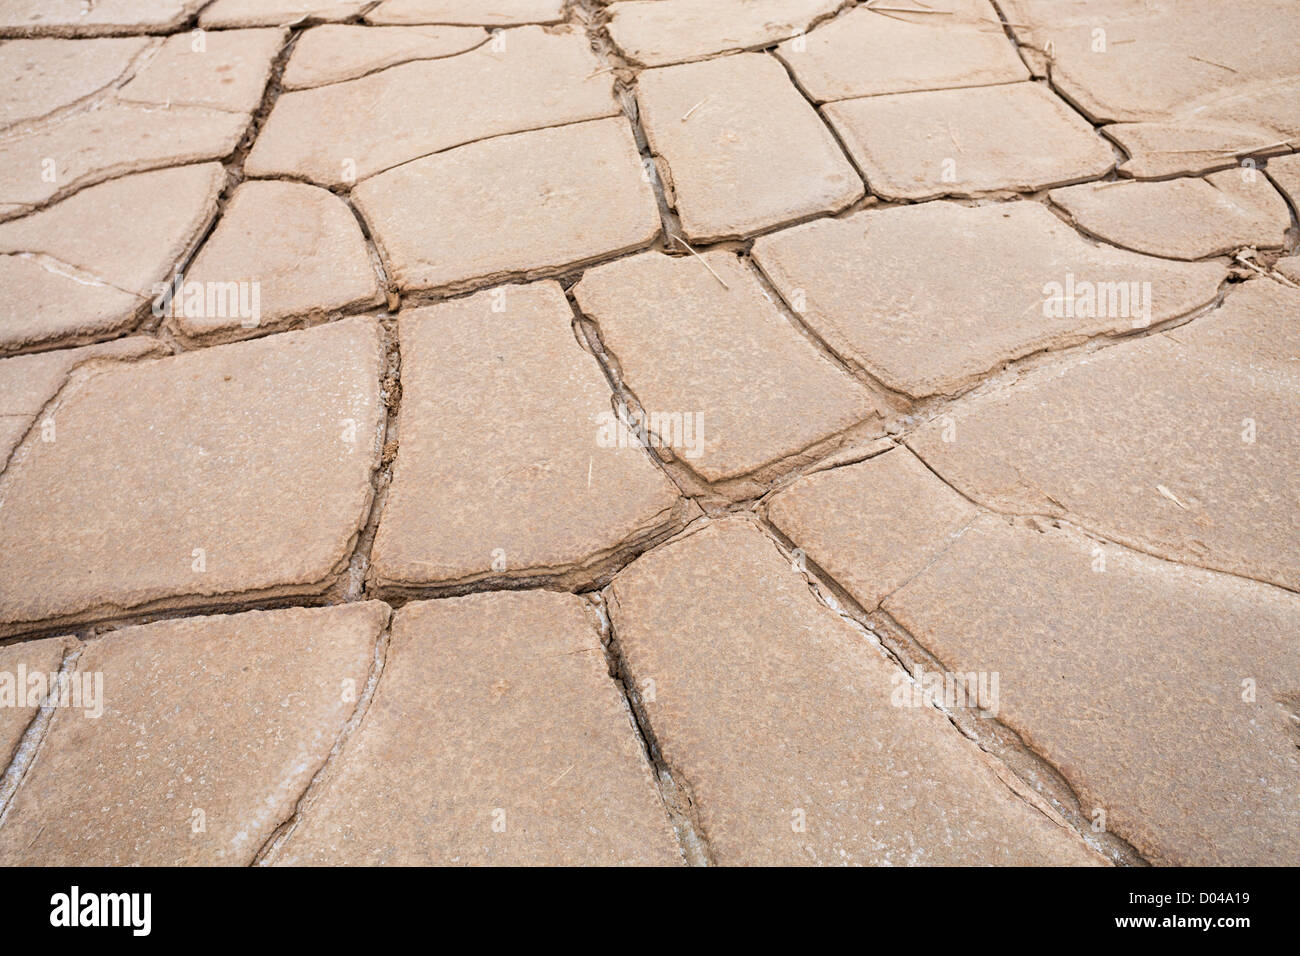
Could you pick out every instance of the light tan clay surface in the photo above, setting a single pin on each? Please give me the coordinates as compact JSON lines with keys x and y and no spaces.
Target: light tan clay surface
{"x":73,"y":18}
{"x":749,"y":155}
{"x":332,"y":53}
{"x":866,"y":52}
{"x":929,"y":298}
{"x":1018,"y":138}
{"x":492,"y":13}
{"x":529,"y":80}
{"x":544,"y":453}
{"x":657,"y":32}
{"x":1182,"y":218}
{"x":650,"y":433}
{"x":300,"y":245}
{"x":208,"y":729}
{"x":522,"y":206}
{"x":210,"y":500}
{"x":518,"y":777}
{"x":782,"y":723}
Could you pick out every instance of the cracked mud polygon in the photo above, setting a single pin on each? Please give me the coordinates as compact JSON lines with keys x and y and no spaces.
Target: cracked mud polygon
{"x":654,"y":432}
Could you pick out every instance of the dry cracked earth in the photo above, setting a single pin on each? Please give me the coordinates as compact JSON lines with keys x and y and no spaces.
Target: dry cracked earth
{"x":658,"y":432}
